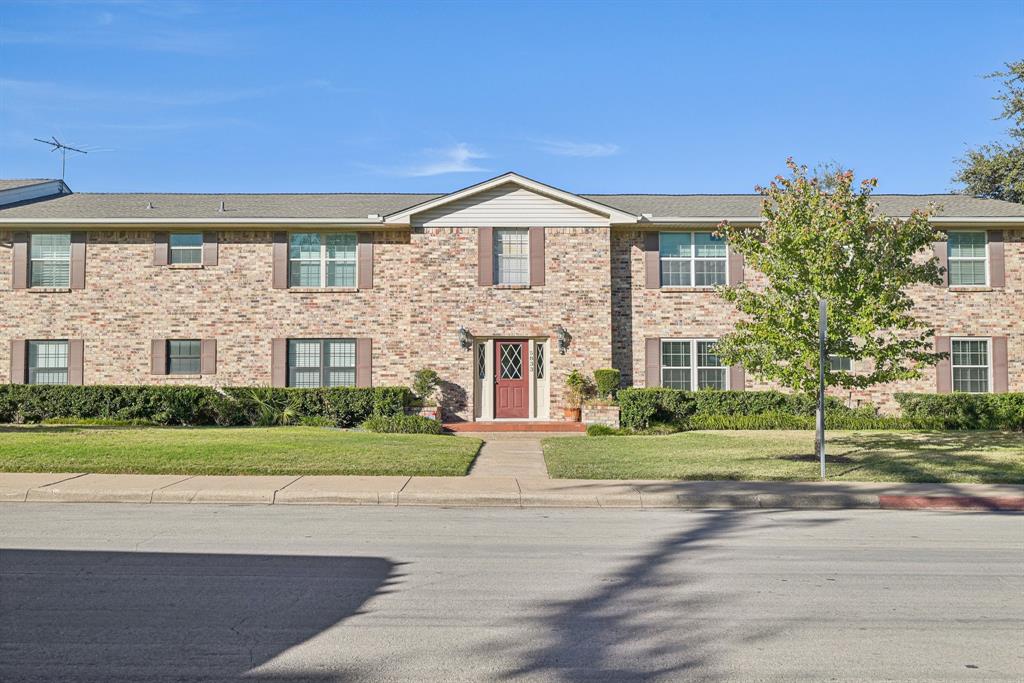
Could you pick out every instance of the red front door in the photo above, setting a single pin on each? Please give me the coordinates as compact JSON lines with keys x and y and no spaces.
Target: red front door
{"x":511,"y":388}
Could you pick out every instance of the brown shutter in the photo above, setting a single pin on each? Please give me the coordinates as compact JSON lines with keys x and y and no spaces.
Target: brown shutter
{"x":536,"y":257}
{"x":158,"y":357}
{"x":160,"y":249}
{"x":485,"y":256}
{"x":280,"y":263}
{"x":943,"y":371}
{"x":364,"y":362}
{"x":208,"y":357}
{"x":652,"y":260}
{"x":996,"y":259}
{"x":737,"y":378}
{"x":18,"y":353}
{"x":19,"y":271}
{"x":210,"y":248}
{"x":76,"y":361}
{"x":652,"y":362}
{"x":78,"y":260}
{"x":1000,"y":365}
{"x":365,"y":257}
{"x":279,"y":362}
{"x":942,"y":254}
{"x":735,"y":268}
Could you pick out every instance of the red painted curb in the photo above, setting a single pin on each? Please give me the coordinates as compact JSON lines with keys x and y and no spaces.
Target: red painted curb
{"x":1002,"y":504}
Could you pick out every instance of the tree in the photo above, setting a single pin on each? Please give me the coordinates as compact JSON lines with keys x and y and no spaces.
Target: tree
{"x":996,"y":170}
{"x":826,"y":239}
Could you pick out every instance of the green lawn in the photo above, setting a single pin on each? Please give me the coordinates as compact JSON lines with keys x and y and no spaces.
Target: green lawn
{"x":238,"y":450}
{"x":966,"y":457}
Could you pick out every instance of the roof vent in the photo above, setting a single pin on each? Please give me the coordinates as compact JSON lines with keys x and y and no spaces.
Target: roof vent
{"x":149,"y":206}
{"x":222,"y":209}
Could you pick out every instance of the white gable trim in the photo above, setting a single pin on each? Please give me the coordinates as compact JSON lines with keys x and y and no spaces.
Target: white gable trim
{"x":612,"y":214}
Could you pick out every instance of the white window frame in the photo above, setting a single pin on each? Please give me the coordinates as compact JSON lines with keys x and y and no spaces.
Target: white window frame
{"x":197,"y":249}
{"x":692,"y":259}
{"x":32,"y":260}
{"x":198,"y":356}
{"x":985,"y":259}
{"x":833,"y":357}
{"x":498,"y":245}
{"x":324,"y":368}
{"x":324,"y":260}
{"x":694,"y":368}
{"x":33,"y":372}
{"x":988,"y":368}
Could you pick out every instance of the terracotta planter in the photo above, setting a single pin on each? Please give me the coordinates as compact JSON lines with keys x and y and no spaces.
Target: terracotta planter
{"x":572,"y":414}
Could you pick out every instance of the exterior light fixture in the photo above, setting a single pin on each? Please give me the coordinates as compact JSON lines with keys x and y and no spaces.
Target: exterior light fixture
{"x":563,"y":339}
{"x":465,"y":338}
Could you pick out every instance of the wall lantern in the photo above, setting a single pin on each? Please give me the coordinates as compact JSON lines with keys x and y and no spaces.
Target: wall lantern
{"x":563,"y":339}
{"x":465,"y":339}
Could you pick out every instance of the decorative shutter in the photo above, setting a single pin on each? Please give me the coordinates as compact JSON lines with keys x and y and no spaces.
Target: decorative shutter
{"x":18,"y":352}
{"x":280,"y":263}
{"x":536,"y":257}
{"x":737,"y":378}
{"x":996,"y":259}
{"x":76,"y":361}
{"x":158,"y":357}
{"x":652,"y":260}
{"x":19,"y":271}
{"x":208,"y":357}
{"x":279,"y":362}
{"x":652,"y":362}
{"x":942,"y":254}
{"x":210,"y":248}
{"x":735,"y":268}
{"x":78,"y":260}
{"x":1000,"y":365}
{"x":485,"y":256}
{"x":364,"y":256}
{"x":161,"y":249}
{"x":364,"y":362}
{"x":943,"y":371}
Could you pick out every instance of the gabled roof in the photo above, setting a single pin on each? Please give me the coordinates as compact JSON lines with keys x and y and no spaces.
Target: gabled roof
{"x":12,"y":183}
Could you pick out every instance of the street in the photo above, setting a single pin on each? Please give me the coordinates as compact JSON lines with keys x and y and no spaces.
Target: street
{"x":319,"y":593}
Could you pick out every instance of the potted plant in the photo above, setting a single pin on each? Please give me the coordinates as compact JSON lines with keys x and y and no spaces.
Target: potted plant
{"x":579,"y":388}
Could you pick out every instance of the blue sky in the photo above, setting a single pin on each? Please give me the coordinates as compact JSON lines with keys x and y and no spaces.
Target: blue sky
{"x":592,"y":97}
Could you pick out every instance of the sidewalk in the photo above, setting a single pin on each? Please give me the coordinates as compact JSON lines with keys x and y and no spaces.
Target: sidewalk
{"x":512,"y":491}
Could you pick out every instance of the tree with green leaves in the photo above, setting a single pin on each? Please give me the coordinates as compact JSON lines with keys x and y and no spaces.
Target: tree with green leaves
{"x":996,"y":170}
{"x":825,"y":239}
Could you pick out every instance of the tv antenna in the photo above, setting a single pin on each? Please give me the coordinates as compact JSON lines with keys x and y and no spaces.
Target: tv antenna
{"x":57,"y":144}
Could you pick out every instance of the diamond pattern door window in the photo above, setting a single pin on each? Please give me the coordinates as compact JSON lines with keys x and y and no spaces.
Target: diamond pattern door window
{"x":511,"y":361}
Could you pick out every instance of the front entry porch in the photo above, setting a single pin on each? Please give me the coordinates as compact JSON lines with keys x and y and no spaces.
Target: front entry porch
{"x":511,"y":381}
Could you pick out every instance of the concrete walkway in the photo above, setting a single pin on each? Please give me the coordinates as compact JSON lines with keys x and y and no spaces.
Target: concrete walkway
{"x":510,"y":455}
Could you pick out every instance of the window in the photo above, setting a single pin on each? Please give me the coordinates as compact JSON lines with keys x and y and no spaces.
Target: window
{"x":48,"y":362}
{"x":970,"y":363}
{"x":322,"y":260}
{"x":840,"y":364}
{"x":680,"y":371}
{"x":540,"y":361}
{"x":183,"y":356}
{"x":512,"y":256}
{"x":321,"y":362}
{"x":968,"y":258}
{"x":692,"y":259}
{"x":481,"y":360}
{"x":50,"y":260}
{"x":186,"y":247}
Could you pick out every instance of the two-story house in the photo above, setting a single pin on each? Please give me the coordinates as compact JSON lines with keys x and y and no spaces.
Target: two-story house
{"x":502,"y":287}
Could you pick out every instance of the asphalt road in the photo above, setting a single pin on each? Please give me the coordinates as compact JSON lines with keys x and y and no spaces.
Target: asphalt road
{"x":191,"y":592}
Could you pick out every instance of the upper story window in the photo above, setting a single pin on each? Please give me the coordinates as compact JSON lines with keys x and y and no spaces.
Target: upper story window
{"x":321,"y":362}
{"x":512,"y":256}
{"x":183,"y":356}
{"x":50,"y":260}
{"x":186,"y":248}
{"x":692,"y":259}
{"x":322,"y":259}
{"x":968,"y":258}
{"x":48,"y":362}
{"x":970,"y":362}
{"x":691,"y":364}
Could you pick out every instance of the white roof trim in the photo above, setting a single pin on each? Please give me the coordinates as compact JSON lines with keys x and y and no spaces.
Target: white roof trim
{"x":212,"y":222}
{"x":938,"y":220}
{"x":614,"y":215}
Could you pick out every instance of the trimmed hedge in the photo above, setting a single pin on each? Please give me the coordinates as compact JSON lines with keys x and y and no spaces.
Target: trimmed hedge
{"x":194,"y":405}
{"x":849,"y":420}
{"x":607,"y":381}
{"x":964,"y":411}
{"x":402,"y":424}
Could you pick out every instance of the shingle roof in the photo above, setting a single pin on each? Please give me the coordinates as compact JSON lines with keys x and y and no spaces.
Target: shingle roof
{"x":11,"y":183}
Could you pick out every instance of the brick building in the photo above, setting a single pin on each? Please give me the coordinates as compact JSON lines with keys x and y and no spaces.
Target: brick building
{"x":502,"y":287}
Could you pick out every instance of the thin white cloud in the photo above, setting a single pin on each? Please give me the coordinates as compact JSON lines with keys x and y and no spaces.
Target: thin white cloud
{"x":568,"y":148}
{"x":458,"y":158}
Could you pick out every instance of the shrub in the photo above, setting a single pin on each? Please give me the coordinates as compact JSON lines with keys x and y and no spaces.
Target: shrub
{"x":580,"y":387}
{"x":425,"y":383}
{"x":778,"y":420}
{"x":96,"y":422}
{"x":607,"y":381}
{"x":964,"y":411}
{"x":402,"y":424}
{"x":601,"y":430}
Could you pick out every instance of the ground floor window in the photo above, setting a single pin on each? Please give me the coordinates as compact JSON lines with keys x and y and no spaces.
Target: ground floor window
{"x":321,"y":362}
{"x":840,"y":364}
{"x":970,"y":362}
{"x":692,"y":364}
{"x":183,"y":356}
{"x":48,"y":362}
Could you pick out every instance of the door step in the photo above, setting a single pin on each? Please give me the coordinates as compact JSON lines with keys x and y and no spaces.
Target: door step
{"x":515,"y":426}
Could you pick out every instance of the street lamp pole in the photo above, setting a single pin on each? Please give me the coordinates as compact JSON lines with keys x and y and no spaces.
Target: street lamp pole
{"x":822,"y":359}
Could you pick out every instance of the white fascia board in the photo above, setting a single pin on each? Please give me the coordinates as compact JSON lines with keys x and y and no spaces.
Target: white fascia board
{"x":198,"y":222}
{"x":702,"y":221}
{"x":24,"y":193}
{"x":978,"y":220}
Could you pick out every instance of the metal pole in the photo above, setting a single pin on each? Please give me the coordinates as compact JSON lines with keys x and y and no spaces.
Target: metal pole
{"x":822,"y":359}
